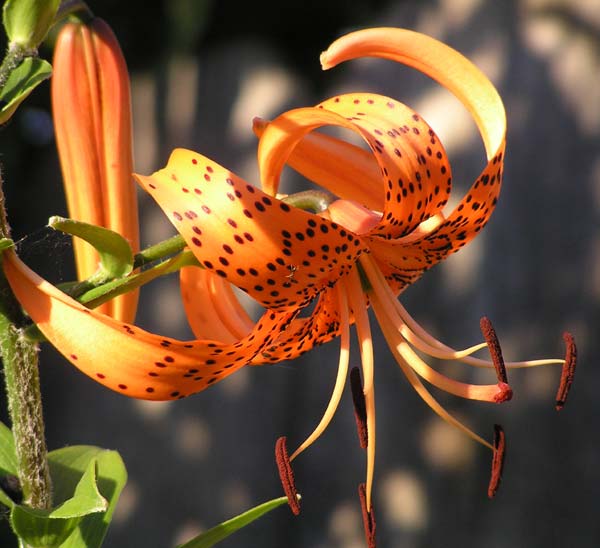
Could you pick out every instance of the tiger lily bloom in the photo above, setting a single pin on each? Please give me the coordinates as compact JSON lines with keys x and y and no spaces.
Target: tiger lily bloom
{"x":92,"y":119}
{"x":385,"y":228}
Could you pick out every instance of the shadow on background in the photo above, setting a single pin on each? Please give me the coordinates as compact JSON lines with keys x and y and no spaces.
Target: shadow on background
{"x":200,"y":72}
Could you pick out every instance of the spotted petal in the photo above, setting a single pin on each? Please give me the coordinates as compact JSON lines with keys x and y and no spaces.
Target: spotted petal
{"x":344,"y":169}
{"x":305,"y":333}
{"x":455,"y":72}
{"x":439,"y":61}
{"x":414,"y":172}
{"x":253,"y":240}
{"x":126,"y":358}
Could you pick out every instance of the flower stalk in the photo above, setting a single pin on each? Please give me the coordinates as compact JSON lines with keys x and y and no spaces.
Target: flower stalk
{"x":13,"y":58}
{"x":19,"y":357}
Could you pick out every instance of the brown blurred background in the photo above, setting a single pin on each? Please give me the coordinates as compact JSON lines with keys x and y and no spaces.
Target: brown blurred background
{"x":200,"y":71}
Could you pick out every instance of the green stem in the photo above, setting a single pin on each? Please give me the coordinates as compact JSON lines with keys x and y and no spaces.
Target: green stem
{"x":99,"y":295}
{"x":13,"y":58}
{"x":310,"y":200}
{"x":159,"y":251}
{"x":22,"y":381}
{"x":19,"y":357}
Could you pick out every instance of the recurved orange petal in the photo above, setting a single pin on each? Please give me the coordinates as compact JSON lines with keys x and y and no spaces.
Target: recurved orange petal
{"x":409,"y":256}
{"x":439,"y":61}
{"x":341,"y":167}
{"x":280,"y":255}
{"x":303,"y":334}
{"x":125,"y":358}
{"x":414,"y":173}
{"x":212,"y":309}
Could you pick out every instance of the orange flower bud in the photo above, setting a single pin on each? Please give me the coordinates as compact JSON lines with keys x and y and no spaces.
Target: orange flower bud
{"x":92,"y":116}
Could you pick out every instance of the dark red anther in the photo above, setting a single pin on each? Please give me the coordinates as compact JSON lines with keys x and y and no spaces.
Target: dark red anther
{"x":497,"y":460}
{"x":286,"y":475}
{"x":368,"y":516}
{"x":505,"y":393}
{"x":489,"y":334}
{"x":568,"y":371}
{"x":360,"y":409}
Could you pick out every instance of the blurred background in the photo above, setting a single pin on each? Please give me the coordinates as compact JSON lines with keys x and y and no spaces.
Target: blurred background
{"x":200,"y":71}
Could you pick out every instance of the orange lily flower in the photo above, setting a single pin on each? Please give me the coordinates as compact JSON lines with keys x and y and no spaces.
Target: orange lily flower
{"x":385,"y":229}
{"x":92,"y":118}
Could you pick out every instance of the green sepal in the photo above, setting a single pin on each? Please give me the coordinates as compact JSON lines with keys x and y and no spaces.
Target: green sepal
{"x":116,"y":257}
{"x":6,"y":243}
{"x":46,"y":528}
{"x":8,"y":456}
{"x":28,"y":21}
{"x":223,"y":530}
{"x":21,"y":82}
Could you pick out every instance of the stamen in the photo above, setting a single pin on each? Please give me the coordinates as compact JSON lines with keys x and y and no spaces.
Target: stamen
{"x":417,"y":336}
{"x":497,"y":460}
{"x":411,"y":376}
{"x":414,"y":333}
{"x":286,"y":475}
{"x":568,"y":371}
{"x":391,"y":325}
{"x":360,"y":410}
{"x":489,"y":334}
{"x":368,"y":517}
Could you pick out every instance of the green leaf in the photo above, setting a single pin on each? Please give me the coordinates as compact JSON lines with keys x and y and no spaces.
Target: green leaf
{"x":116,"y":257}
{"x":21,"y":82}
{"x":223,"y":530}
{"x":52,"y":527}
{"x":27,"y":21}
{"x":37,"y":528}
{"x":66,"y":466}
{"x":8,"y":456}
{"x":86,"y":499}
{"x":8,"y":460}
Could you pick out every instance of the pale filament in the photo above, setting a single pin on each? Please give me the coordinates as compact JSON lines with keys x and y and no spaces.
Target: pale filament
{"x":416,"y":335}
{"x":389,"y":332}
{"x":341,"y":374}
